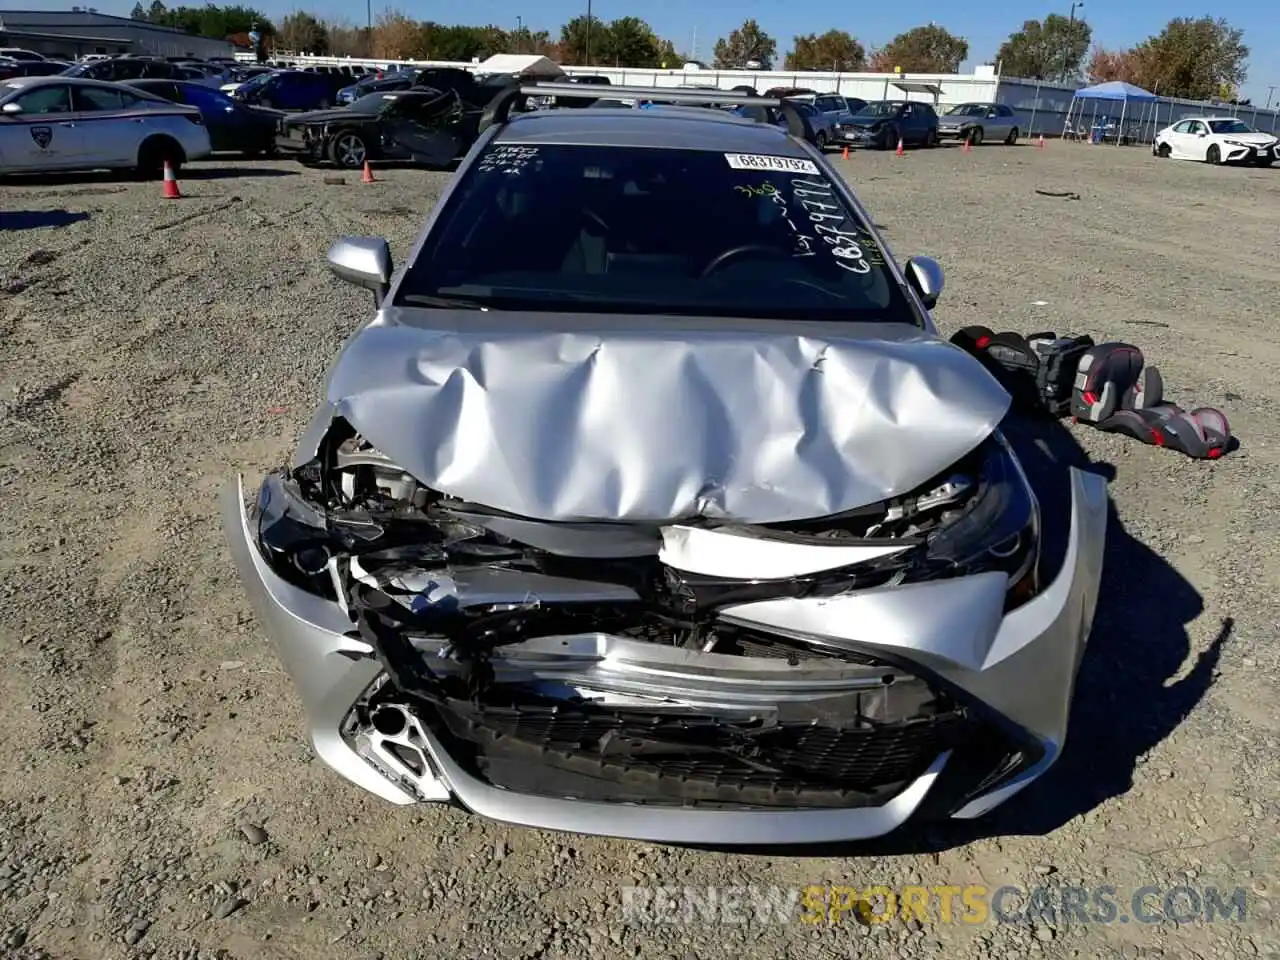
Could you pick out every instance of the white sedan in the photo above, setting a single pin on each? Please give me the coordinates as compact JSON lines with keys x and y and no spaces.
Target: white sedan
{"x":65,"y":123}
{"x":1216,"y":140}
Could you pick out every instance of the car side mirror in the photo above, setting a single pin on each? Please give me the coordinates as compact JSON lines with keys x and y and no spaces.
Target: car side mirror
{"x":364,"y":261}
{"x":926,"y":278}
{"x":12,"y":108}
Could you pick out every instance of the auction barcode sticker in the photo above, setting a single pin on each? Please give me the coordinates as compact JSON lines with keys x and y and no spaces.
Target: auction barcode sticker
{"x":755,"y":161}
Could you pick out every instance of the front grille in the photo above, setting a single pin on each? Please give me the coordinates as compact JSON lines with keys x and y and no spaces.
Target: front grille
{"x":629,"y":756}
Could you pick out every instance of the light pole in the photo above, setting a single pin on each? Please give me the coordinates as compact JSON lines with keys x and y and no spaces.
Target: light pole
{"x":368,"y":14}
{"x":1270,"y":91}
{"x":588,"y":53}
{"x":1071,"y":22}
{"x":519,"y":32}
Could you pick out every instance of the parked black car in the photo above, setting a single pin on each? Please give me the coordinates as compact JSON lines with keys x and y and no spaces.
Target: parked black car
{"x":233,"y":126}
{"x":29,"y":68}
{"x":432,"y":127}
{"x":120,"y":69}
{"x":883,"y":123}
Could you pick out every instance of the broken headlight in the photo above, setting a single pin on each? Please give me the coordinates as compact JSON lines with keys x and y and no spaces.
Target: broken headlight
{"x":999,"y":529}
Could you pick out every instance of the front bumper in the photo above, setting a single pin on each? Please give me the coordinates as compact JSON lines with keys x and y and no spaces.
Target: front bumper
{"x":1240,"y":153}
{"x":1018,"y":670}
{"x":952,"y":133}
{"x":297,"y":142}
{"x":856,"y":137}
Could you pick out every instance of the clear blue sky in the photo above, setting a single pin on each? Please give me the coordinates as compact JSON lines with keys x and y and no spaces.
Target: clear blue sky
{"x":984,"y":23}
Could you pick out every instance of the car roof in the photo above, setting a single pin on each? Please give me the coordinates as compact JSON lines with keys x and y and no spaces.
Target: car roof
{"x":56,"y":79}
{"x":672,"y":128}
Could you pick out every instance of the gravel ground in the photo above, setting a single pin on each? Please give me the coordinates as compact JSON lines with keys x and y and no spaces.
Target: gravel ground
{"x":161,"y":800}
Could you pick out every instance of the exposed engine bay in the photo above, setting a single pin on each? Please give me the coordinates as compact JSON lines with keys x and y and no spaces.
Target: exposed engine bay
{"x":604,"y":660}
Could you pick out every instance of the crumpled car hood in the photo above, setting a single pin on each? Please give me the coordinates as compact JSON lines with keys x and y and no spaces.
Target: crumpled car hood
{"x":660,"y":420}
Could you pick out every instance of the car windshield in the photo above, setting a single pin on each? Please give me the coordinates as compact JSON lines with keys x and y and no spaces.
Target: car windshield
{"x":80,"y":69}
{"x":260,"y":80}
{"x":1230,"y":126}
{"x":879,"y":108}
{"x":967,"y":110}
{"x":617,"y":230}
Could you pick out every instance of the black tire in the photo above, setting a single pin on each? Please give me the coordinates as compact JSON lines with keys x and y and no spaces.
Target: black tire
{"x":931,"y":139}
{"x":820,"y":141}
{"x":975,"y":136}
{"x":1012,"y":139}
{"x":348,"y":150}
{"x":154,"y":152}
{"x":1163,"y":151}
{"x":1213,"y":154}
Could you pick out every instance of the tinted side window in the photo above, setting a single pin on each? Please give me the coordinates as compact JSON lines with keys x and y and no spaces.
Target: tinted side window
{"x":46,"y":100}
{"x":1006,"y":111}
{"x":96,"y":99}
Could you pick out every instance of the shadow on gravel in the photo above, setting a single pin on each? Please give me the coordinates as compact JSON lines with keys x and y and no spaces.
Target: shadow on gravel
{"x":1124,"y":703}
{"x":35,"y":219}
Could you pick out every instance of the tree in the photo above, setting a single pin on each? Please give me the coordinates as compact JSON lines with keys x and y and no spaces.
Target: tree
{"x":157,"y":12}
{"x":668,"y":59}
{"x":139,"y":11}
{"x":303,"y":33}
{"x":1194,"y":59}
{"x":346,"y":40}
{"x":834,"y":50}
{"x":537,"y":42}
{"x":746,"y":44}
{"x":581,"y":40}
{"x":1106,"y":65}
{"x":1045,"y":49}
{"x":396,"y":37}
{"x":631,"y":42}
{"x":928,"y":49}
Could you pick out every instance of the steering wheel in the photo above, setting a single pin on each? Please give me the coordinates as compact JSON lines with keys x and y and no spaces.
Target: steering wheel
{"x":735,"y":253}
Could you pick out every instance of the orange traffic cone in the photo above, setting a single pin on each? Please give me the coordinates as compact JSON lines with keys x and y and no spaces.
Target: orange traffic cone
{"x":1040,"y":144}
{"x":968,"y":145}
{"x":900,"y":151}
{"x":367,"y":176}
{"x":845,"y":155}
{"x":171,"y":191}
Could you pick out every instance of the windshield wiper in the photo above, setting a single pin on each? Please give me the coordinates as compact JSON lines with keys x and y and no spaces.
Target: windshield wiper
{"x":456,"y":303}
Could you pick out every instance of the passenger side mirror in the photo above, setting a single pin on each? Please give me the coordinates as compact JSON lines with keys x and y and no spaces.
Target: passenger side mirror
{"x":364,"y":261}
{"x":926,"y":278}
{"x":12,"y":108}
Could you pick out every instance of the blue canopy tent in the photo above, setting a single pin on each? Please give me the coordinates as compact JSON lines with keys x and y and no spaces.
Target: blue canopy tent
{"x":1112,"y":92}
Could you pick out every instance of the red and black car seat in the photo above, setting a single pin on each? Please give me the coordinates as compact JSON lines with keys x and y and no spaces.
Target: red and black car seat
{"x":1038,"y":370}
{"x":1116,"y":391}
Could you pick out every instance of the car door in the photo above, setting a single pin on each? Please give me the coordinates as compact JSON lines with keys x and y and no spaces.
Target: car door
{"x":111,"y":135}
{"x":994,"y":126}
{"x":424,"y":127}
{"x":43,"y":134}
{"x":229,"y":128}
{"x":909,"y":124}
{"x":1187,"y":139}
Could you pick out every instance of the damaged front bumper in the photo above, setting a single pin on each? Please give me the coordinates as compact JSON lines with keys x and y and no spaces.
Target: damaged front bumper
{"x":959,"y":705}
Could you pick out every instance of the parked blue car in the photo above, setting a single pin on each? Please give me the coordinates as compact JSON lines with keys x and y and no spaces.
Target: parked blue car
{"x":290,"y":90}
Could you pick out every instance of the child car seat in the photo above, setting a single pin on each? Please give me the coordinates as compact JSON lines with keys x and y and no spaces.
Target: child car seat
{"x":1038,"y":370}
{"x":1115,"y":391}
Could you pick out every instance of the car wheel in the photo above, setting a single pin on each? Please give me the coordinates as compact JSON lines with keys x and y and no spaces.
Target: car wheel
{"x":1213,"y":154}
{"x":154,"y":153}
{"x":820,"y":141}
{"x":347,"y":150}
{"x":1012,"y":138}
{"x":931,"y":139}
{"x":1162,"y":150}
{"x":975,"y":137}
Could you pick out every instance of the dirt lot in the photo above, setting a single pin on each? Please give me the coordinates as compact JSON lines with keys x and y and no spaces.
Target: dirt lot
{"x":160,"y":799}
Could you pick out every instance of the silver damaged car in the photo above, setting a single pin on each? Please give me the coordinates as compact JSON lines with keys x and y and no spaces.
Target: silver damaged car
{"x":651,"y":504}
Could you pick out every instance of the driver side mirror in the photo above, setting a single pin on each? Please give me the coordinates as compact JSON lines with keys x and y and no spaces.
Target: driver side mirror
{"x":364,"y":261}
{"x":12,"y":108}
{"x":926,"y":278}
